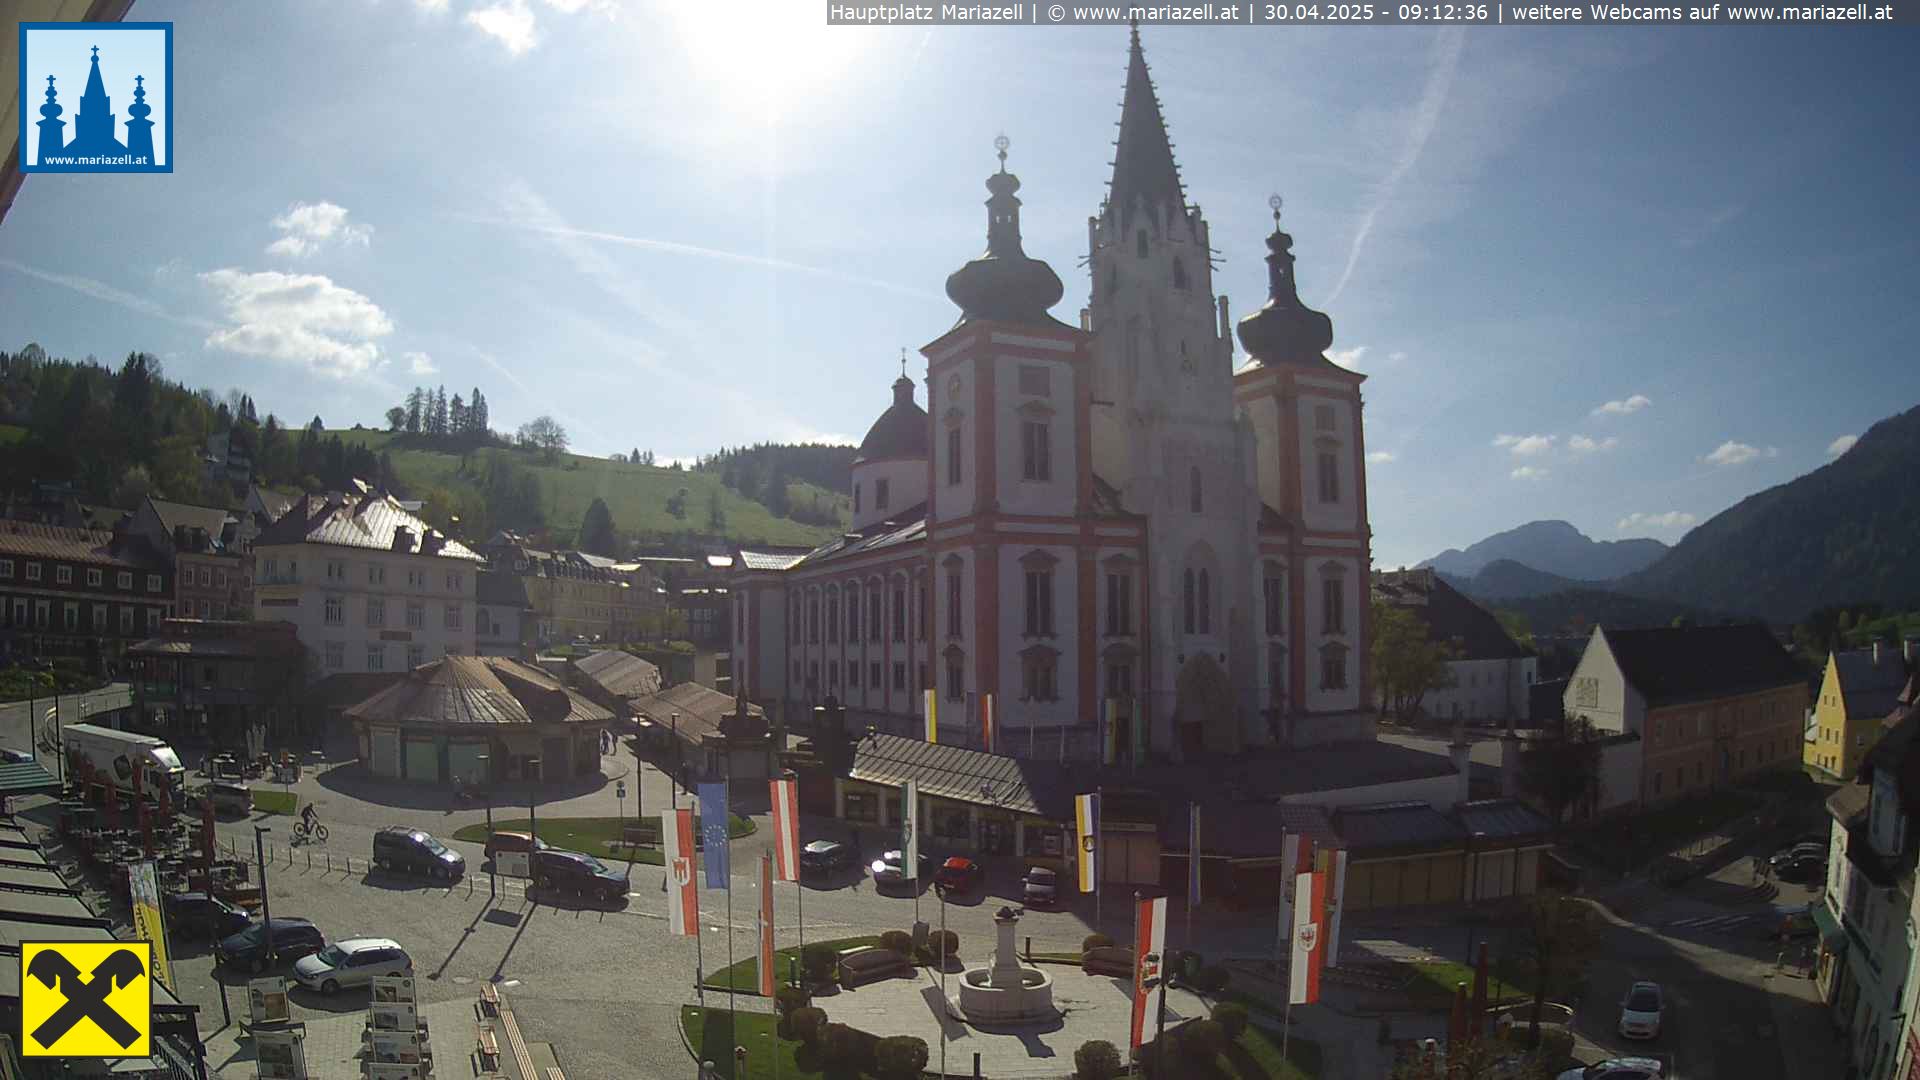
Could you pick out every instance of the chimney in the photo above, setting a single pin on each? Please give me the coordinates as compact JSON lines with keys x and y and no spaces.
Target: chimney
{"x":1461,"y":752}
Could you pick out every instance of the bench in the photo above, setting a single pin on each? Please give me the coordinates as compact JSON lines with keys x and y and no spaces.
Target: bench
{"x":489,"y":1048}
{"x":860,"y":966}
{"x":490,"y":1000}
{"x":1115,"y":960}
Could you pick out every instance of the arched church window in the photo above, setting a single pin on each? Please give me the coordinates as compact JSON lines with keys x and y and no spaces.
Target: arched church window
{"x":1193,"y":489}
{"x":1140,"y":243}
{"x":1179,"y":274}
{"x":1206,"y":605}
{"x":1186,"y":605}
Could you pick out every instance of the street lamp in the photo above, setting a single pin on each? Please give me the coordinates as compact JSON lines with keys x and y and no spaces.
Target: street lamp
{"x":266,"y":911}
{"x":1474,"y":844}
{"x":487,"y":794}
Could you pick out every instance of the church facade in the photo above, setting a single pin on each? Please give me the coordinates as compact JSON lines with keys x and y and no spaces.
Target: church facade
{"x":1102,"y":535}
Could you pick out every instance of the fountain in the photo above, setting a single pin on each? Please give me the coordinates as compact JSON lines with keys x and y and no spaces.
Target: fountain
{"x":1007,"y":991}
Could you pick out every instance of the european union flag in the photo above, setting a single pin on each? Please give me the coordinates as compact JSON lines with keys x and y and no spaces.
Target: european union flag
{"x":713,"y":833}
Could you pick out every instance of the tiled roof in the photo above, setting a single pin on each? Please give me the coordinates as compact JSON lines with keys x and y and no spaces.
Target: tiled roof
{"x":361,"y":521}
{"x":1395,"y":827}
{"x":701,"y":709}
{"x":209,"y":519}
{"x":1869,"y":689}
{"x":32,"y":539}
{"x":620,"y":673}
{"x":1448,"y":614}
{"x":1671,"y":665}
{"x":964,"y":775}
{"x":499,"y":588}
{"x":477,"y":691}
{"x":770,"y":559}
{"x":910,"y":526}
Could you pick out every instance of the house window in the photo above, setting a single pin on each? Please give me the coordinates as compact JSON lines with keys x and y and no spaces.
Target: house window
{"x":873,"y":675}
{"x":1038,"y":671}
{"x":880,"y":489}
{"x":453,"y":582}
{"x":34,"y":571}
{"x":336,"y":655}
{"x":376,"y":658}
{"x":1206,"y":604}
{"x":1119,"y":605}
{"x":153,"y":619}
{"x":376,"y":611}
{"x":853,"y":673}
{"x":955,"y":676}
{"x":920,"y":626}
{"x":1193,"y":489}
{"x":873,"y":618}
{"x":856,"y":498}
{"x":99,"y":618}
{"x":94,"y":577}
{"x":953,"y":456}
{"x":153,"y":580}
{"x":1120,"y":680}
{"x":1035,"y":461}
{"x":1333,"y":667}
{"x":416,"y":615}
{"x":1039,"y":603}
{"x":1277,"y":676}
{"x":336,"y":612}
{"x":206,"y":577}
{"x":376,"y":574}
{"x":954,"y":623}
{"x":126,"y":618}
{"x":336,"y":570}
{"x":416,"y":655}
{"x":6,"y":569}
{"x":1273,"y":592}
{"x":454,"y":617}
{"x":221,"y":579}
{"x":416,"y":579}
{"x":900,"y":675}
{"x":1333,"y":608}
{"x":40,"y":614}
{"x":1033,"y":380}
{"x":1186,"y":601}
{"x":899,"y":613}
{"x":63,"y":575}
{"x":1329,"y":478}
{"x":124,"y":580}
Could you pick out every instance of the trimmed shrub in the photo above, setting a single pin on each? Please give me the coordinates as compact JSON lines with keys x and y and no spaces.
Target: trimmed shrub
{"x":848,"y":1047}
{"x":1232,"y":1018}
{"x":1095,"y":941}
{"x":897,"y":940}
{"x":806,"y":1022}
{"x":1202,"y":1039}
{"x":901,"y":1056}
{"x":786,"y":999}
{"x":1212,"y":980}
{"x":952,"y":942}
{"x":819,"y":962}
{"x":1096,"y":1059}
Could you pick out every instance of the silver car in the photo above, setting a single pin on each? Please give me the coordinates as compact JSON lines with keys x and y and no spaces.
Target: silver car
{"x":352,"y":962}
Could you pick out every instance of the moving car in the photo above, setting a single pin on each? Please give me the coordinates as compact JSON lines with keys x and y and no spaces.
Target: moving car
{"x":1041,"y":887}
{"x":1787,"y":855}
{"x":1640,"y":1011}
{"x":1626,"y":1068}
{"x":825,"y":857}
{"x":226,"y":797}
{"x":397,"y":847}
{"x":247,"y":950}
{"x":513,"y":841}
{"x":198,"y":915}
{"x":889,"y":870}
{"x":353,"y":962}
{"x":957,"y":875}
{"x":15,"y":757}
{"x":1805,"y":869}
{"x":578,"y":872}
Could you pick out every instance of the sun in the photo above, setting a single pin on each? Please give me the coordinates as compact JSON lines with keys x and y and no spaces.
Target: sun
{"x":765,"y":55}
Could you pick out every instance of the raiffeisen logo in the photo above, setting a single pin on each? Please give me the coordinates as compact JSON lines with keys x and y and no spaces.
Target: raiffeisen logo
{"x":71,"y":74}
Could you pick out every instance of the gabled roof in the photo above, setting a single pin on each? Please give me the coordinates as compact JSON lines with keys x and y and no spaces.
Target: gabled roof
{"x":964,"y":775}
{"x":477,"y":690}
{"x":619,"y":673}
{"x":770,"y":558}
{"x":211,"y":520}
{"x":701,"y":708}
{"x":1449,"y":615}
{"x":1673,"y":665}
{"x":33,"y":539}
{"x":1870,"y":689}
{"x":370,"y":520}
{"x":1143,"y":166}
{"x":906,"y":527}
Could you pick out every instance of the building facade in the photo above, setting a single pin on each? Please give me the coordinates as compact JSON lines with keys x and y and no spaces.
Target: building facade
{"x":1105,"y":528}
{"x":210,"y":560}
{"x":1492,"y":674}
{"x":503,"y":615}
{"x":78,"y":594}
{"x":575,"y":596}
{"x":1857,"y":691}
{"x":208,"y":682}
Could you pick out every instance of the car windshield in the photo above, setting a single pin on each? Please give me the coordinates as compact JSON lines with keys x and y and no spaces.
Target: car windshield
{"x":332,"y":956}
{"x":433,"y":845}
{"x":1040,"y":876}
{"x":1643,"y":999}
{"x":593,"y":863}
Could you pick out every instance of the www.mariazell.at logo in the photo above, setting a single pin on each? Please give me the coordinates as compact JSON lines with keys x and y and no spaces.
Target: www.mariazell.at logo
{"x":131,"y":63}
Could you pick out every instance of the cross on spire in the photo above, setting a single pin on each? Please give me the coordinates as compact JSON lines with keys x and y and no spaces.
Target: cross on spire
{"x":96,"y":54}
{"x":903,"y":361}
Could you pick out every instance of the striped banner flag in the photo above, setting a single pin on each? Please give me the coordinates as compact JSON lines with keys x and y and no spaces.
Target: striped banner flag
{"x":986,"y":721}
{"x":683,"y":897}
{"x":786,"y":828}
{"x":1086,"y":830}
{"x":766,"y":924}
{"x":1193,"y":858}
{"x":1310,"y":904}
{"x":1336,"y":899}
{"x":1149,"y":943}
{"x":1296,"y":857}
{"x":933,"y":724}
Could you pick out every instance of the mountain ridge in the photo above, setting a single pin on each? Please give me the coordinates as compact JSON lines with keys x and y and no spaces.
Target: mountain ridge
{"x":1554,"y":547}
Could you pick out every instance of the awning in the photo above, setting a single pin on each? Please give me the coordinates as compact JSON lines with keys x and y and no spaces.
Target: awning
{"x":26,"y":778}
{"x":1832,"y":934}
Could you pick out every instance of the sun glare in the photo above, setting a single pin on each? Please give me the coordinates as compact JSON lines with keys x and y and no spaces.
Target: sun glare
{"x":766,"y":54}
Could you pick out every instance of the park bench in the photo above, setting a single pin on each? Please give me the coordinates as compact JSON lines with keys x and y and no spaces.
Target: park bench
{"x":861,"y":966}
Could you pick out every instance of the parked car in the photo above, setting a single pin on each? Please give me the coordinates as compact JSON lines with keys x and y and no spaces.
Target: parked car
{"x":353,"y":962}
{"x":199,"y":915}
{"x":1041,"y":887}
{"x":1787,"y":855}
{"x":247,"y":950}
{"x":957,"y":875}
{"x":227,"y":798}
{"x":1626,"y":1068}
{"x":889,"y":870}
{"x":513,"y":841}
{"x":825,"y":857}
{"x":412,"y":851}
{"x":1803,"y":869}
{"x":578,"y":872}
{"x":11,"y":756}
{"x":1640,"y":1011}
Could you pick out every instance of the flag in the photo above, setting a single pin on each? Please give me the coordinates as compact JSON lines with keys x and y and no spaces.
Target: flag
{"x":1086,"y":831}
{"x":933,"y":725}
{"x":910,"y":831}
{"x":766,"y":924}
{"x":1336,"y":899}
{"x":143,"y":888}
{"x":1296,"y":857}
{"x":786,"y":828}
{"x":683,"y":900}
{"x":1310,"y":905}
{"x":1109,"y":732}
{"x":713,"y":833}
{"x":1149,"y":939}
{"x":986,"y":721}
{"x":1193,"y":856}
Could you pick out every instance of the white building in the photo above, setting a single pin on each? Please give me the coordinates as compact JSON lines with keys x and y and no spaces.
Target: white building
{"x":1107,"y":512}
{"x":371,"y":588}
{"x":1492,"y":673}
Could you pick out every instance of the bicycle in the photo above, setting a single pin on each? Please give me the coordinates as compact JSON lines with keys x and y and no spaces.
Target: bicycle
{"x":315,"y":833}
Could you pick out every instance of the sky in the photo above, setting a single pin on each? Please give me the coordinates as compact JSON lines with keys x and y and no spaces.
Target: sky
{"x":1620,"y":276}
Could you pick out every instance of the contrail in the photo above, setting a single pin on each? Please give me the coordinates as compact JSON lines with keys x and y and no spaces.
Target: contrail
{"x":100,"y":290}
{"x":1447,"y":49}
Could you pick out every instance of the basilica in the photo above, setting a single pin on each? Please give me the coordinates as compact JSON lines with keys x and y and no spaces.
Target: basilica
{"x":1097,"y":540}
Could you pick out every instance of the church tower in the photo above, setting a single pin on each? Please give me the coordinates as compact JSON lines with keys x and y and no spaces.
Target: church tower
{"x":93,"y":124}
{"x":52,"y":142}
{"x":140,"y":129}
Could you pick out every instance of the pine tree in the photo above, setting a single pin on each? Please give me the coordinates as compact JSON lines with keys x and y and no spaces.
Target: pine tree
{"x":457,"y":417}
{"x":440,"y":412}
{"x":477,"y":415}
{"x":416,"y":405}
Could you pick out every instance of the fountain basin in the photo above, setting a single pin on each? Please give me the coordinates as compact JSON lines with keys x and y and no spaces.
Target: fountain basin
{"x":984,"y":1002}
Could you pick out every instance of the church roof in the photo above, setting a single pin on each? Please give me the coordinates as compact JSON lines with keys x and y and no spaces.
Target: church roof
{"x":901,"y":431}
{"x":1143,"y":167}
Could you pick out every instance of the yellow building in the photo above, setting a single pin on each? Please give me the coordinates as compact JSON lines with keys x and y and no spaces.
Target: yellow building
{"x":1856,"y":694}
{"x":576,"y":596}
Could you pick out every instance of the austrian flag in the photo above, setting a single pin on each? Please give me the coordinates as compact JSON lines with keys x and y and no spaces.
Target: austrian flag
{"x":1309,"y":928}
{"x":683,"y":896}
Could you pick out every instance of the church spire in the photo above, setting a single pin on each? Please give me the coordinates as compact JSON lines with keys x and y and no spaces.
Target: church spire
{"x":1005,"y":284}
{"x":1143,"y":157}
{"x":1285,"y":331}
{"x":140,"y":129}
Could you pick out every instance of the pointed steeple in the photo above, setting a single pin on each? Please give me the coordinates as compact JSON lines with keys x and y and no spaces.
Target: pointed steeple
{"x":1143,"y":165}
{"x":96,"y":90}
{"x":94,"y":130}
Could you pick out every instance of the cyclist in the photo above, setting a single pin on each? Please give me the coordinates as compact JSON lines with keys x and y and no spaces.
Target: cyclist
{"x":309,"y":817}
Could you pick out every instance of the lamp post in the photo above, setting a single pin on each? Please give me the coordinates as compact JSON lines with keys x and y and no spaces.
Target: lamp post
{"x":1474,"y":844}
{"x":673,"y":774}
{"x":266,"y":911}
{"x":493,"y":886}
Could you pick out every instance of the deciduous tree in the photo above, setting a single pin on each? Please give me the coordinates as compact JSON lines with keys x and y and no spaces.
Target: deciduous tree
{"x":1407,"y":665}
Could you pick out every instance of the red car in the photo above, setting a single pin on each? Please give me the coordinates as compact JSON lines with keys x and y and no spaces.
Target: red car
{"x":957,"y":875}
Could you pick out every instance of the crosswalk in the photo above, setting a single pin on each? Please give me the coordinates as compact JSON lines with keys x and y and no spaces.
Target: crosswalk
{"x":1722,"y":924}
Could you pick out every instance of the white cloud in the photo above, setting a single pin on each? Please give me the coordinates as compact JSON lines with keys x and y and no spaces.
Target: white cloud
{"x":434,"y":7}
{"x":1671,"y":520}
{"x":1738,"y":453}
{"x":1841,"y":445}
{"x":1380,"y":457}
{"x":1397,"y":356}
{"x":308,"y":227}
{"x":420,"y":363}
{"x":509,"y":21}
{"x":1525,"y":445}
{"x":302,"y":319}
{"x":1347,"y":358}
{"x":1528,"y":472}
{"x":1583,"y":445}
{"x":1624,"y":406}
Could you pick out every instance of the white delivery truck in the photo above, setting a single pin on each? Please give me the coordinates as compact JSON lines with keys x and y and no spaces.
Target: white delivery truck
{"x":113,"y":756}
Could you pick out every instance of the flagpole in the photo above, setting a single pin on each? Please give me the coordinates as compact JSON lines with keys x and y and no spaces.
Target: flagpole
{"x":726,"y":845}
{"x":1099,"y":849}
{"x":1193,"y":868}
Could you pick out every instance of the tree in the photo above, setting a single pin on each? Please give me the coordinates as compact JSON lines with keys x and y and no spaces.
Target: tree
{"x":477,"y":415}
{"x":1097,"y":1059}
{"x":456,"y":416}
{"x":135,"y":485}
{"x":596,"y":530}
{"x":1406,"y":663}
{"x":416,"y":406}
{"x":1561,"y":933}
{"x":1517,"y":627}
{"x":776,"y":498}
{"x":440,"y":412}
{"x":544,"y":433}
{"x":396,"y":418}
{"x":1476,"y":1059}
{"x":716,"y":514}
{"x":1562,"y":770}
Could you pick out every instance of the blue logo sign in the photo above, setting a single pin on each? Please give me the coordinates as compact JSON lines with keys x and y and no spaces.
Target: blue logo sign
{"x":71,"y":75}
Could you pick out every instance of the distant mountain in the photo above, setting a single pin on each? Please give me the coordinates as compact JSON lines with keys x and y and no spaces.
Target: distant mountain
{"x":1504,"y":579}
{"x":1576,"y":611}
{"x":1552,"y":547}
{"x":1846,"y":532}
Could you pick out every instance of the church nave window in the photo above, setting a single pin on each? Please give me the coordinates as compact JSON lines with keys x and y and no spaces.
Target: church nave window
{"x":1206,"y":604}
{"x":953,"y":456}
{"x":1039,"y":675}
{"x":1329,"y":478}
{"x":1333,"y":667}
{"x":1035,"y":453}
{"x":1119,"y":605}
{"x":954,"y":623}
{"x":1274,"y":594}
{"x":1039,"y":606}
{"x":1186,"y":602}
{"x":1140,"y":243}
{"x":956,"y":676}
{"x":1333,"y":617}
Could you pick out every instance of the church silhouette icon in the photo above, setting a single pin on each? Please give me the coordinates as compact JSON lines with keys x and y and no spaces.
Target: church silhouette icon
{"x":92,"y":137}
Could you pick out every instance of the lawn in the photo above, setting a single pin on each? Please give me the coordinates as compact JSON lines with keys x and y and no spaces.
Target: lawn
{"x":1261,"y":1049}
{"x":1433,"y":983}
{"x":723,"y":1030}
{"x":1664,"y":829}
{"x":746,"y":973}
{"x":593,"y":835}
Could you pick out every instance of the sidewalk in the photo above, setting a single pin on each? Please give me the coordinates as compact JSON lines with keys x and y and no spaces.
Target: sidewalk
{"x":1804,"y":1026}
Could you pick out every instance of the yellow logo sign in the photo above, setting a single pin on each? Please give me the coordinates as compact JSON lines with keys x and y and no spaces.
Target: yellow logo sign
{"x":86,"y":998}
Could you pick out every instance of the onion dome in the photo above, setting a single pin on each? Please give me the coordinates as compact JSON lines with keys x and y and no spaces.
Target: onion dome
{"x":1285,"y":331}
{"x":901,"y":431}
{"x":139,"y":110}
{"x":1004,"y":285}
{"x":51,"y":110}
